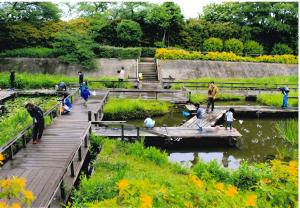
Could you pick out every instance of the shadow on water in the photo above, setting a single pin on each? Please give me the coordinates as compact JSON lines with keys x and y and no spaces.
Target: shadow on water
{"x":260,"y":141}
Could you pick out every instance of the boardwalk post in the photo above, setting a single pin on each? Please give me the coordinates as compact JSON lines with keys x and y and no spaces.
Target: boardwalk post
{"x":137,"y":132}
{"x":79,"y":154}
{"x":96,"y":116}
{"x":86,"y":141}
{"x":89,"y":115}
{"x":11,"y":152}
{"x":122,"y":132}
{"x":24,"y":141}
{"x":155,"y":95}
{"x":72,"y":169}
{"x":62,"y":190}
{"x":90,"y":129}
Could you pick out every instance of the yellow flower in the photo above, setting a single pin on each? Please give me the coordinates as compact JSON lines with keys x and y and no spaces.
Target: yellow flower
{"x":188,"y":205}
{"x":197,"y":181}
{"x":265,"y":180}
{"x":28,"y":195}
{"x":21,"y":182}
{"x":1,"y":159}
{"x":3,"y":204}
{"x":293,"y":168}
{"x":164,"y":191}
{"x":146,"y":201}
{"x":123,"y":184}
{"x":231,"y":191}
{"x":15,"y":205}
{"x":251,"y":200}
{"x":220,"y":186}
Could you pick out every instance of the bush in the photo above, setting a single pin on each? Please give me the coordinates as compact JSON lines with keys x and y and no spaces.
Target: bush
{"x":280,"y":49}
{"x":213,"y":44}
{"x":234,"y":45}
{"x":159,"y":44}
{"x":74,"y":48}
{"x":129,"y":32}
{"x":117,"y":52}
{"x":29,"y":52}
{"x":148,"y":52}
{"x":253,"y":47}
{"x":162,"y":53}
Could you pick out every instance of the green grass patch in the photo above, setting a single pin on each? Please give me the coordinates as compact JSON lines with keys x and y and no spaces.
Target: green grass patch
{"x":130,"y":175}
{"x":288,"y":130}
{"x":275,"y":99}
{"x":123,"y":109}
{"x":269,"y":81}
{"x":202,"y":98}
{"x":29,"y":52}
{"x":37,"y":81}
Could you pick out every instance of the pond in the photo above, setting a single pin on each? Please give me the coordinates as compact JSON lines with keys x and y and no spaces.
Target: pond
{"x":259,"y":142}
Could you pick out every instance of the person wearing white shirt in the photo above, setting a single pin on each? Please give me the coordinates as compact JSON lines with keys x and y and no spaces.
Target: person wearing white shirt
{"x":149,"y":123}
{"x":229,"y":118}
{"x":121,"y":78}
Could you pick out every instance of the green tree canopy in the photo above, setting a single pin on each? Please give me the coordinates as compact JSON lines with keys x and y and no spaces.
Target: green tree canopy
{"x":129,"y":33}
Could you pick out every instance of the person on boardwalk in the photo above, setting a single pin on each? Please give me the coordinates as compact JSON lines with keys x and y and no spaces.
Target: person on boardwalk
{"x":229,"y":119}
{"x":12,"y":80}
{"x":66,"y":105}
{"x":285,"y":91}
{"x":121,"y":78}
{"x":61,"y":87}
{"x":38,"y":122}
{"x":84,"y":92}
{"x":149,"y":122}
{"x":199,"y":115}
{"x":212,"y":93}
{"x":80,"y":77}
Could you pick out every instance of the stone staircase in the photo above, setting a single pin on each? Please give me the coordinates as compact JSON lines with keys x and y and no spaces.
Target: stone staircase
{"x":147,"y":66}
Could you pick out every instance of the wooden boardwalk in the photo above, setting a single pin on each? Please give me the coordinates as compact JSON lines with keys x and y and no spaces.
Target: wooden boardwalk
{"x":55,"y":161}
{"x":4,"y":95}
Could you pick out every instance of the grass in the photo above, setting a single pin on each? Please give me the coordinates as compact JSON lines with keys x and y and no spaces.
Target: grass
{"x":202,"y":98}
{"x":288,"y":130}
{"x":275,"y":99}
{"x":36,"y":81}
{"x":17,"y":118}
{"x":264,"y":80}
{"x":38,"y":52}
{"x":130,"y":175}
{"x":123,"y":109}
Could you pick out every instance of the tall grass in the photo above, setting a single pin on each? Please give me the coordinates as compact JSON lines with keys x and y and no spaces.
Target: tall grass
{"x":288,"y":130}
{"x":275,"y":99}
{"x":134,"y":108}
{"x":202,"y":98}
{"x":38,"y":52}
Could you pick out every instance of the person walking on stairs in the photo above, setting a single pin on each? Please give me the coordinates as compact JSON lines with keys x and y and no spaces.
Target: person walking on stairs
{"x":38,"y":121}
{"x":212,"y":93}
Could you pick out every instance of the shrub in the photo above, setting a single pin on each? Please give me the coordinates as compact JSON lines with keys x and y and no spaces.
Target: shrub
{"x":280,"y":49}
{"x":117,"y":52}
{"x":234,"y":45}
{"x":213,"y":44}
{"x":75,"y":48}
{"x":129,"y":32}
{"x":253,"y":47}
{"x":222,"y":56}
{"x":162,"y":53}
{"x":159,"y":44}
{"x":148,"y":52}
{"x":29,"y":52}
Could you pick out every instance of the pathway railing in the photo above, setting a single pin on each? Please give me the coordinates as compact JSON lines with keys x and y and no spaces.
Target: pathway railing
{"x":98,"y":113}
{"x":9,"y":146}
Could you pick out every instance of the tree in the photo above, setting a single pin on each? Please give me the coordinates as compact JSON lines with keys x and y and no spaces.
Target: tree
{"x":213,"y":44}
{"x":234,"y":45}
{"x":129,"y":33}
{"x":87,"y":9}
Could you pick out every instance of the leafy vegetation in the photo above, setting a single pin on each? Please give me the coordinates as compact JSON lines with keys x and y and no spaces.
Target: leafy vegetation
{"x":130,"y":175}
{"x":124,"y":109}
{"x":288,"y":130}
{"x":117,"y":52}
{"x":29,"y":52}
{"x":213,"y":44}
{"x":18,"y":118}
{"x":163,"y":53}
{"x":234,"y":45}
{"x":253,"y":47}
{"x":281,"y":49}
{"x":275,"y":99}
{"x":202,"y":98}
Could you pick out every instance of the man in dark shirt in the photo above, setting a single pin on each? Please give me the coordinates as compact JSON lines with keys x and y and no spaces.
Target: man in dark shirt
{"x":38,"y":121}
{"x":80,"y":76}
{"x":12,"y":80}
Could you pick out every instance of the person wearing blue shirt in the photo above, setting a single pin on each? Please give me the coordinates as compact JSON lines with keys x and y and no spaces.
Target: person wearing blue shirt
{"x":84,"y":92}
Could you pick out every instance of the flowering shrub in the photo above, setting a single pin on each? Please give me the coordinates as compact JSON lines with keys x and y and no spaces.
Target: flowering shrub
{"x":163,"y":53}
{"x":127,"y":176}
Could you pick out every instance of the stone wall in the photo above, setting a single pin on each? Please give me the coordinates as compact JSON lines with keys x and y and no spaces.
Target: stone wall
{"x":189,"y":69}
{"x":104,"y":67}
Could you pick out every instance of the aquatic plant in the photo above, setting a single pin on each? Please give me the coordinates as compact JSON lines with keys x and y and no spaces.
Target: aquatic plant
{"x":127,"y":176}
{"x":124,"y":109}
{"x":275,"y":99}
{"x":288,"y":130}
{"x":202,"y":98}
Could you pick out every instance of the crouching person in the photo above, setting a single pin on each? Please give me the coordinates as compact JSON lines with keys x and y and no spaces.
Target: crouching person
{"x":38,"y":121}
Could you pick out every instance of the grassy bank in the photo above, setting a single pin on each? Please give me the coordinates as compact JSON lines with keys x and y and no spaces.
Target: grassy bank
{"x":35,"y":81}
{"x":130,"y":175}
{"x":123,"y":109}
{"x":264,"y":80}
{"x":18,"y":118}
{"x":202,"y":98}
{"x":275,"y":99}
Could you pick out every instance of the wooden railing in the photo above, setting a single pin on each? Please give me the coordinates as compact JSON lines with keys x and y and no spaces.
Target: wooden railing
{"x":84,"y":143}
{"x":53,"y":112}
{"x":98,"y":113}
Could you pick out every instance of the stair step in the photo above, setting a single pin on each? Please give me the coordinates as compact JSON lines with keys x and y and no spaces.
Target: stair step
{"x":147,"y":59}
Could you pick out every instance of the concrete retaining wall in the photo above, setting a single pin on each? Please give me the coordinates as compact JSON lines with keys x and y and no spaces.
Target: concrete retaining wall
{"x":189,"y":69}
{"x":104,"y":67}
